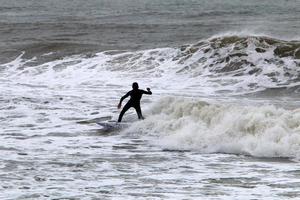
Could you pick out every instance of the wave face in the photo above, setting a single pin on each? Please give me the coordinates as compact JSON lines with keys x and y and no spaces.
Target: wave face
{"x":186,"y":124}
{"x":226,"y":65}
{"x":249,"y":63}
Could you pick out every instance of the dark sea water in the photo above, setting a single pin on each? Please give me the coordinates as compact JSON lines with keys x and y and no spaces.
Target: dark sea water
{"x":223,"y":121}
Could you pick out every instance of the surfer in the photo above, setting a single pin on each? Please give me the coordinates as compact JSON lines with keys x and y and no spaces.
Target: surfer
{"x":134,"y":101}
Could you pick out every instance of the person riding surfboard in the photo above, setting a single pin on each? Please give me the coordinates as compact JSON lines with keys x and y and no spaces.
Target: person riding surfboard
{"x":134,"y":101}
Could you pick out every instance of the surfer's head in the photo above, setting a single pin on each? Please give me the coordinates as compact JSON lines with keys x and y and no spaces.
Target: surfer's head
{"x":135,"y":86}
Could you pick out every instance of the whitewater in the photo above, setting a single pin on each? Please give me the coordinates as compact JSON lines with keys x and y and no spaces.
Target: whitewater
{"x":215,"y":126}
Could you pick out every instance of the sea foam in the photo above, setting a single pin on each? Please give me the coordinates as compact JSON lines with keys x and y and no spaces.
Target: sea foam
{"x":190,"y":124}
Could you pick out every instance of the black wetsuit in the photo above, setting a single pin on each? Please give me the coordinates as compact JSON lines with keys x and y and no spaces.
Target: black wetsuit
{"x":135,"y":98}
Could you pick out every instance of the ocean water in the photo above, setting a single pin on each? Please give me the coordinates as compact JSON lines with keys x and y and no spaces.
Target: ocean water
{"x":223,"y":121}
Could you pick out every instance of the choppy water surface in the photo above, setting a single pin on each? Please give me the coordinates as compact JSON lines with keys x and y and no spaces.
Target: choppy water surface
{"x":223,"y":121}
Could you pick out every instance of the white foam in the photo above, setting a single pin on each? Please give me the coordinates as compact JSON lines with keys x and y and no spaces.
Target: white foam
{"x":41,"y":106}
{"x":262,"y":131}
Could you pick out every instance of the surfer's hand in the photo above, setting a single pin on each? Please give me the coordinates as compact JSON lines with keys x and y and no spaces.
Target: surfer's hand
{"x":119,"y":106}
{"x":148,"y":89}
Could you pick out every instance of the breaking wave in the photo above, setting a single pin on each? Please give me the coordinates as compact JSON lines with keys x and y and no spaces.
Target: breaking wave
{"x":187,"y":124}
{"x":228,"y":65}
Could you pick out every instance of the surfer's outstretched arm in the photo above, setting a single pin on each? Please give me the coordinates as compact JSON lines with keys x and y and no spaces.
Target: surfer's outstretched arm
{"x":122,"y":98}
{"x":147,"y":92}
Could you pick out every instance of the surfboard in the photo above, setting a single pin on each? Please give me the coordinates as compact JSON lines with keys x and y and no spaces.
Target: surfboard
{"x":112,"y":125}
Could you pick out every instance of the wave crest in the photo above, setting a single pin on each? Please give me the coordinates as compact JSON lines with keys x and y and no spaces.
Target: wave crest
{"x":239,"y":56}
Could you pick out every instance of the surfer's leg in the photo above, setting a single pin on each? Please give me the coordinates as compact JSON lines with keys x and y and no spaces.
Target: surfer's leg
{"x":139,"y":111}
{"x":126,"y":107}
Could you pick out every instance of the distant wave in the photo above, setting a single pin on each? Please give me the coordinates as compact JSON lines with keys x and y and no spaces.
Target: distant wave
{"x":185,"y":124}
{"x":224,"y":65}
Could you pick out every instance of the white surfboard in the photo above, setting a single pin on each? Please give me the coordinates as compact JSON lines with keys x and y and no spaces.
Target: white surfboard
{"x":112,"y":125}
